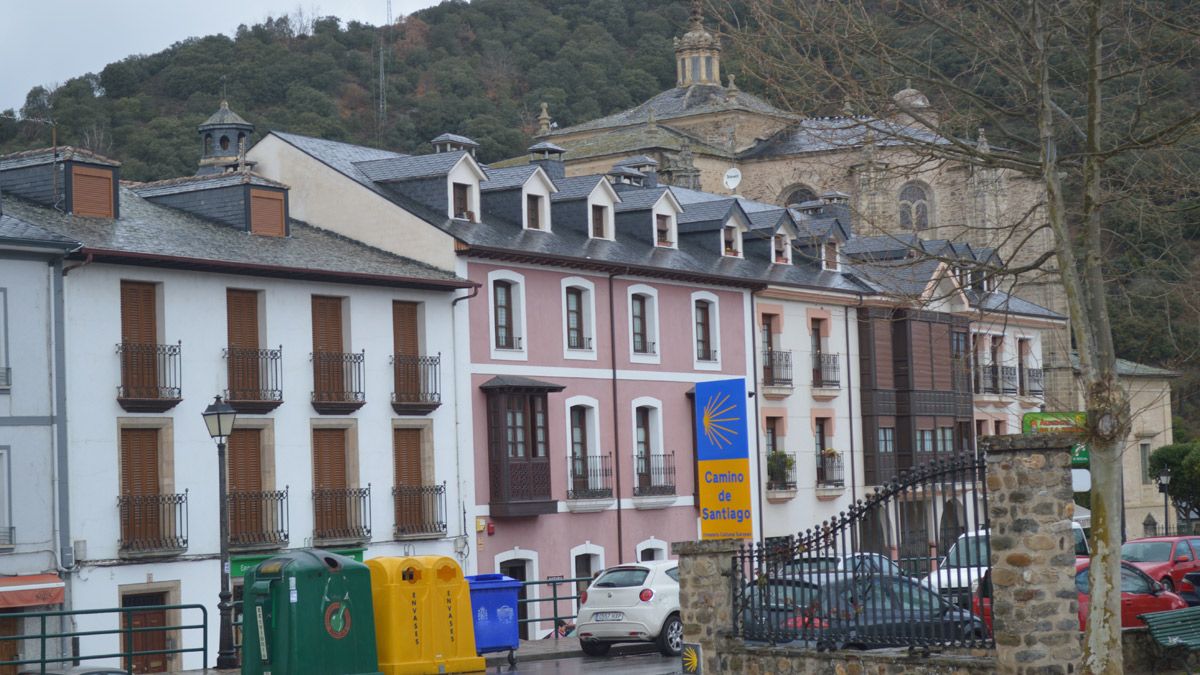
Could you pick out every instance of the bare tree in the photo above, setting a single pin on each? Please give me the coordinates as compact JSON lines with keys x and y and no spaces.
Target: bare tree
{"x":1078,"y":98}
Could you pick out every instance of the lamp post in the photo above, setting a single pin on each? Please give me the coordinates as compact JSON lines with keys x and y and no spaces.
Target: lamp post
{"x":1164,"y":479}
{"x":219,"y":417}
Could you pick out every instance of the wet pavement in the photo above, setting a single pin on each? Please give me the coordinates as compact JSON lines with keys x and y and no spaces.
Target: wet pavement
{"x":627,"y":664}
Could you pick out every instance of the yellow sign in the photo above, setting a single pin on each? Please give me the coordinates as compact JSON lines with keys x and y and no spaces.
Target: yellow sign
{"x":692,"y":661}
{"x":725,"y":503}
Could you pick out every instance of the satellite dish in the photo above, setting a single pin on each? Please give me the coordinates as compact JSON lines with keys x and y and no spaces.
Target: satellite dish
{"x":733,"y":178}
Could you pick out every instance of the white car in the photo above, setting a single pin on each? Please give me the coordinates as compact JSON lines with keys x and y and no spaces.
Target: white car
{"x":638,"y":602}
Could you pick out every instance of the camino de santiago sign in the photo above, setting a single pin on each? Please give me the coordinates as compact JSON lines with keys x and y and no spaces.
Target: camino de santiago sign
{"x":723,"y":460}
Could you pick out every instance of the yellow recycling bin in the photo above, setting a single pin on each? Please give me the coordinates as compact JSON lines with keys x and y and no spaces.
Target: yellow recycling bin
{"x":423,"y":621}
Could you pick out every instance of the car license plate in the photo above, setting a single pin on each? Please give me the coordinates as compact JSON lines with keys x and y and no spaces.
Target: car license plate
{"x":608,"y":616}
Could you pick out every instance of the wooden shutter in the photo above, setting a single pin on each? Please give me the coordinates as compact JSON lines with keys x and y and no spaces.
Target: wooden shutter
{"x":139,"y":335}
{"x":328,"y":367}
{"x":941,"y":355}
{"x":884,"y":368}
{"x":242,"y":320}
{"x":246,"y":507}
{"x":267,"y":213}
{"x":922,"y":365}
{"x":597,"y":220}
{"x":140,"y":518}
{"x":410,"y":503}
{"x":404,"y":328}
{"x":92,"y":192}
{"x":533,"y":212}
{"x":330,"y":499}
{"x":143,"y":637}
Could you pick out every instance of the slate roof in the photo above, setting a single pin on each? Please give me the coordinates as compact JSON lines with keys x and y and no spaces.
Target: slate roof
{"x":202,"y":182}
{"x":638,"y":160}
{"x":699,"y":216}
{"x":410,"y":166}
{"x":507,"y":178}
{"x":622,"y":141}
{"x":574,"y":187}
{"x":1127,"y":368}
{"x":161,"y":235}
{"x":518,"y":382}
{"x":36,"y":157}
{"x":225,"y":117}
{"x":696,"y":99}
{"x":1001,"y":302}
{"x":545,"y":146}
{"x":455,"y":138}
{"x":765,"y":220}
{"x":883,"y":247}
{"x":16,"y":230}
{"x":638,"y":199}
{"x":818,"y":134}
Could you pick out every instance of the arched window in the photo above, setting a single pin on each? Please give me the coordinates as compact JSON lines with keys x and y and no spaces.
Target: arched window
{"x":914,"y":207}
{"x":224,"y":142}
{"x":208,"y":146}
{"x":799,"y":195}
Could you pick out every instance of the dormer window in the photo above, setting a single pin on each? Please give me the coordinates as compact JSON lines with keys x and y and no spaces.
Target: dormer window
{"x":599,"y":225}
{"x":662,"y":230}
{"x":533,"y":212}
{"x":783,"y":252}
{"x":731,"y":240}
{"x":829,"y":256}
{"x":462,"y":202}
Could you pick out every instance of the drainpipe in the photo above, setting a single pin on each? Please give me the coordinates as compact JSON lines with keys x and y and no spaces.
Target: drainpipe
{"x":462,"y":499}
{"x":850,"y":398}
{"x":66,"y":552}
{"x":86,"y":261}
{"x":758,"y":454}
{"x":612,"y":356}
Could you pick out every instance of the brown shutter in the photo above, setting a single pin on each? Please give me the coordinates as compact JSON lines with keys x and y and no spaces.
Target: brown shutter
{"x":922,"y":368}
{"x":410,"y":503}
{"x":404,"y":328}
{"x":267,"y":213}
{"x":92,"y":192}
{"x":139,"y":328}
{"x":245,"y":484}
{"x":242,"y":313}
{"x":140,"y":518}
{"x":884,"y":368}
{"x":329,"y":480}
{"x":533,"y":211}
{"x":328,"y":367}
{"x":940,"y":350}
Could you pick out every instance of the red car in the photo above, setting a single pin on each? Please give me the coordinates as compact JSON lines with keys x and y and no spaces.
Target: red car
{"x":1139,"y":594}
{"x":1167,"y":559}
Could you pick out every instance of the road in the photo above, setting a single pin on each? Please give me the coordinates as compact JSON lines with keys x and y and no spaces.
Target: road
{"x":632,"y":664}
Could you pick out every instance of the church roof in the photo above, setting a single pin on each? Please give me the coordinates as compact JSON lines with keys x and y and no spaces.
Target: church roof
{"x":224,"y":117}
{"x":818,"y":134}
{"x":680,"y":102}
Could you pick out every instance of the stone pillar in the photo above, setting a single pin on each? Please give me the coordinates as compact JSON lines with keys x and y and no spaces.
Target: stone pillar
{"x":1034,"y":602}
{"x":705,"y":595}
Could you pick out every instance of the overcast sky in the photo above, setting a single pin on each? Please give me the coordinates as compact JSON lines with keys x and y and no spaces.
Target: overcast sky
{"x":50,"y":41}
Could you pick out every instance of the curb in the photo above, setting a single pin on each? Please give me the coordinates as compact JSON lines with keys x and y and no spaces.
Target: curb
{"x":501,"y":658}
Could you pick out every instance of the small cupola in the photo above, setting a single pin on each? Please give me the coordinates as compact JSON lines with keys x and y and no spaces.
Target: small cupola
{"x":697,"y":53}
{"x":550,"y":157}
{"x":647,"y":166}
{"x":223,"y":139}
{"x":454,"y":143}
{"x":624,"y":175}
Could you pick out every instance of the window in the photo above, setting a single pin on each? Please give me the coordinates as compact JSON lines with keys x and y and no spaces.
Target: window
{"x":887,"y":440}
{"x":224,"y":142}
{"x":575,"y":336}
{"x":462,"y":201}
{"x":643,"y":324}
{"x":729,"y":236}
{"x":579,"y":432}
{"x":782,"y":249}
{"x":998,"y":425}
{"x":772,"y":435}
{"x":945,"y":439}
{"x":820,"y":442}
{"x":92,"y":191}
{"x":799,"y":195}
{"x":662,"y":229}
{"x":914,"y":207}
{"x":268,"y":212}
{"x":5,"y":373}
{"x":1144,"y":451}
{"x":642,"y":426}
{"x":578,"y":318}
{"x":599,"y":221}
{"x":503,"y":303}
{"x":704,"y":345}
{"x":641,"y":340}
{"x":533,"y":212}
{"x":815,"y":333}
{"x":6,"y":532}
{"x":708,"y":68}
{"x":829,"y":256}
{"x":925,"y":440}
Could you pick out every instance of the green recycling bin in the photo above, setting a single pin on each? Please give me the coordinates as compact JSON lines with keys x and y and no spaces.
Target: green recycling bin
{"x":308,"y":611}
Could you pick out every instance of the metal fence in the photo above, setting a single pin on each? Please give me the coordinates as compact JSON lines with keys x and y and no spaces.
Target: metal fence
{"x":839,"y":584}
{"x":831,"y":471}
{"x":129,"y":653}
{"x":560,"y":616}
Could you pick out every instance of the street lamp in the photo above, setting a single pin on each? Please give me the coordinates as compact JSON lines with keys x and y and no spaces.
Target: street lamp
{"x":219,"y":417}
{"x":1164,"y":479}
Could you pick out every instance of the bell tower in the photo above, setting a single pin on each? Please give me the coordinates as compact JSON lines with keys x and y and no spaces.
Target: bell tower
{"x":222,"y":137}
{"x":697,"y":53}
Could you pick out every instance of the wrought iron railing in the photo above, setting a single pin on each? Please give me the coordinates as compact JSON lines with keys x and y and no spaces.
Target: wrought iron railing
{"x":826,"y":372}
{"x":644,"y":346}
{"x":342,"y":514}
{"x":420,"y":510}
{"x":837,"y":583}
{"x":576,"y":341}
{"x":830,"y":470}
{"x":338,"y":377}
{"x":153,"y":523}
{"x":149,"y":371}
{"x":655,"y":475}
{"x":777,"y":368}
{"x":258,"y":518}
{"x":781,"y":470}
{"x":8,"y":536}
{"x":960,"y":369}
{"x":591,"y":477}
{"x":1008,"y":380}
{"x":417,"y":379}
{"x":5,"y":377}
{"x":987,"y":379}
{"x":513,"y":342}
{"x":1032,"y":382}
{"x":254,"y":374}
{"x":705,"y":352}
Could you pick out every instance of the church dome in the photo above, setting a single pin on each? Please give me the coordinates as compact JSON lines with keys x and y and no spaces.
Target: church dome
{"x":911,"y":98}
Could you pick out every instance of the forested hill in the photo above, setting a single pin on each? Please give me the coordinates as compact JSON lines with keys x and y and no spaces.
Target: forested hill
{"x":478,"y":69}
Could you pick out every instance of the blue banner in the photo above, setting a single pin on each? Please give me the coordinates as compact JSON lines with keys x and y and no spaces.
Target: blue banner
{"x":721,"y":420}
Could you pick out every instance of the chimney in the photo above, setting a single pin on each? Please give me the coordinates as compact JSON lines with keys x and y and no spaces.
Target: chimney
{"x":550,"y":157}
{"x":623,"y":175}
{"x":646,"y":166}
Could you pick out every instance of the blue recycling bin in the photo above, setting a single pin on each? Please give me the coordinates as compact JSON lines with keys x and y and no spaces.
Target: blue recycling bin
{"x":494,"y":608}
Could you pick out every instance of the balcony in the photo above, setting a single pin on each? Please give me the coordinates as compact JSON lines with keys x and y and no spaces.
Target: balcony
{"x":150,"y":377}
{"x":338,"y":382}
{"x":341,"y":515}
{"x":258,"y":520}
{"x":830,"y":470}
{"x":781,"y":476}
{"x":153,"y":524}
{"x":644,"y":347}
{"x":777,"y":374}
{"x":5,"y":377}
{"x":654,"y":485}
{"x":705,"y":353}
{"x":987,"y":379}
{"x":8,"y":536}
{"x":591,"y":481}
{"x":578,"y":342}
{"x":1032,"y":382}
{"x":255,"y":382}
{"x":520,"y":487}
{"x":826,"y":375}
{"x":1008,"y":380}
{"x":418,"y":389}
{"x":420,"y":511}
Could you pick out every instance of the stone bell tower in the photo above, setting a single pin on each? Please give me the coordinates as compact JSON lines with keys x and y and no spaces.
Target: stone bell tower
{"x":697,"y":53}
{"x":222,"y":136}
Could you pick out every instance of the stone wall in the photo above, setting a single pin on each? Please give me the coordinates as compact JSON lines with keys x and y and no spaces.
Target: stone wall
{"x":1034,"y":601}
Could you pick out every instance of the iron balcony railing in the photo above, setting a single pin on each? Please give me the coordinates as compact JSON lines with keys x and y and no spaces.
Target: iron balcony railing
{"x":643,"y":346}
{"x":826,"y":372}
{"x":1008,"y":380}
{"x":153,"y":523}
{"x":705,"y":352}
{"x":591,"y":477}
{"x":149,"y":371}
{"x":420,"y":510}
{"x":987,"y":379}
{"x":1032,"y":382}
{"x":781,"y":470}
{"x":777,"y":368}
{"x":512,"y":342}
{"x":655,"y":475}
{"x":5,"y":378}
{"x":254,"y":374}
{"x":418,"y":379}
{"x":338,"y":377}
{"x":342,"y":514}
{"x":576,"y":341}
{"x":960,"y":368}
{"x":830,"y":470}
{"x":258,"y":518}
{"x":8,"y":536}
